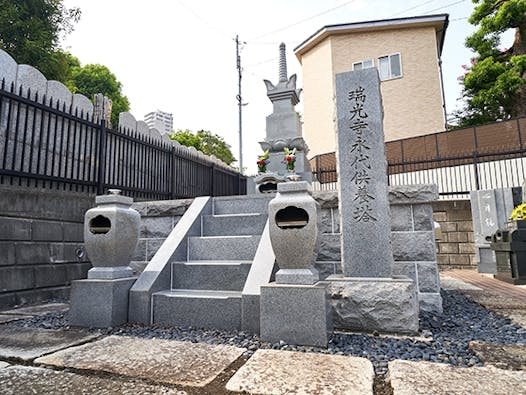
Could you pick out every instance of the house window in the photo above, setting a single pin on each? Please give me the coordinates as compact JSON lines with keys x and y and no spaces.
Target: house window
{"x":365,"y":64}
{"x":390,"y":67}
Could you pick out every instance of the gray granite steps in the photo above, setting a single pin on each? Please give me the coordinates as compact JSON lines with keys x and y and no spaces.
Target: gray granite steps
{"x":233,"y":224}
{"x":198,"y":308}
{"x":241,"y":204}
{"x":213,"y":275}
{"x":222,"y":247}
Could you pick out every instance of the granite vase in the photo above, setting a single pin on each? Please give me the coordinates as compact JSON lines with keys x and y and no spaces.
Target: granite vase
{"x":111,"y":231}
{"x":293,"y":225}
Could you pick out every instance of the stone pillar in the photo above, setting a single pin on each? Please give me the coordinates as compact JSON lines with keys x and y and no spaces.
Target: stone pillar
{"x":362,"y":166}
{"x":366,"y":297}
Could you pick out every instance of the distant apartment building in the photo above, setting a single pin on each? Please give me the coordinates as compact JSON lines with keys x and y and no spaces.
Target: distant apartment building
{"x":160,"y":120}
{"x":406,"y":52}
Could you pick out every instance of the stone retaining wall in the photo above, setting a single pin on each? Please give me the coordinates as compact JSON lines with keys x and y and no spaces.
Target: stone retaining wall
{"x":412,"y":239}
{"x":455,"y":241}
{"x":41,"y":244}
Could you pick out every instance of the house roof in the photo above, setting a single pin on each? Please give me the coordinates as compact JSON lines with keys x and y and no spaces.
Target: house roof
{"x":438,"y":21}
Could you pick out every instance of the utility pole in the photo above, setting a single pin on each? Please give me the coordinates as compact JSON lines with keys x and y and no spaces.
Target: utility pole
{"x":239,"y":103}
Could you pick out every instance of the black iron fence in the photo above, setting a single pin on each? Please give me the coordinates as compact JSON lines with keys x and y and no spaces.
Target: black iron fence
{"x":51,"y":144}
{"x":459,"y":161}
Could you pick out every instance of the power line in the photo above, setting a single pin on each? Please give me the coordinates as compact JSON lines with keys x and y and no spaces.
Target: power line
{"x":206,"y":22}
{"x":412,"y":8}
{"x":446,"y":6}
{"x":302,"y":20}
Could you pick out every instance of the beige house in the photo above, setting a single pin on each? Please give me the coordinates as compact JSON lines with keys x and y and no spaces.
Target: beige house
{"x":406,"y":52}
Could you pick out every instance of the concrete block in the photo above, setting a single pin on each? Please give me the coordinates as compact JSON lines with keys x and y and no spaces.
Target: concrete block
{"x":329,"y":247}
{"x":250,"y":313}
{"x":73,"y":231}
{"x":50,"y":275}
{"x":99,"y":303}
{"x":156,"y":226}
{"x":241,"y":204}
{"x":41,"y":295}
{"x":296,"y":314}
{"x":428,"y":280}
{"x":7,"y":300}
{"x":152,"y":246}
{"x":140,"y":251}
{"x":448,"y":248}
{"x":430,"y":301}
{"x":412,"y":194}
{"x":401,"y":218}
{"x":74,"y":252}
{"x":162,"y":208}
{"x":46,"y":231}
{"x":7,"y":253}
{"x":423,"y":217}
{"x":369,"y":304}
{"x":326,"y":225}
{"x":448,"y":227}
{"x":455,"y":259}
{"x":15,"y":229}
{"x":220,"y":275}
{"x":407,"y":269}
{"x":28,"y":253}
{"x":233,"y":225}
{"x":16,"y":278}
{"x":466,"y":248}
{"x":440,"y":216}
{"x":77,"y":271}
{"x":198,"y":308}
{"x":465,"y":226}
{"x":327,"y":268}
{"x":228,"y":248}
{"x":413,"y":246}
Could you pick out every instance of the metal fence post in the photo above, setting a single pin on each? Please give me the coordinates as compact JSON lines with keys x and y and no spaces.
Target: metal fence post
{"x":101,"y":158}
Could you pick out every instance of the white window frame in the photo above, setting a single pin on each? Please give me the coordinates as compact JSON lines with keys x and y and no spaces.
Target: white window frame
{"x":362,"y":62}
{"x":390,"y":76}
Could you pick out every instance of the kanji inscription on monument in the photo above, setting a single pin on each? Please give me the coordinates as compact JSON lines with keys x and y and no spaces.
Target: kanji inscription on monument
{"x":364,"y":207}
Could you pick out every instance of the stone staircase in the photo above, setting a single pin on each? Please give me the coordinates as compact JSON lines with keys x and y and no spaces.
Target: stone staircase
{"x":205,"y":289}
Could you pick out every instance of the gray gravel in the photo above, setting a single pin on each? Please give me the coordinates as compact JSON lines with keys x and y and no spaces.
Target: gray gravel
{"x":446,"y":336}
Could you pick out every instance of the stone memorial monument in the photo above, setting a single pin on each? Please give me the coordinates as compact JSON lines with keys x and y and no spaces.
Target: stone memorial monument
{"x":295,"y":308}
{"x":111,"y":233}
{"x":283,"y":131}
{"x":366,"y":296}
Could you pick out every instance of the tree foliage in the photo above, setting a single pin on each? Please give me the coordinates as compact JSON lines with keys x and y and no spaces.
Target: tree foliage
{"x":96,"y":78}
{"x":495,"y":81}
{"x":30,"y":31}
{"x":205,"y":141}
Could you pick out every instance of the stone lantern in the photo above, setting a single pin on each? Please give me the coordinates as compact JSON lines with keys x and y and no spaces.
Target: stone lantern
{"x":295,"y":308}
{"x":111,"y":232}
{"x":293,"y":226}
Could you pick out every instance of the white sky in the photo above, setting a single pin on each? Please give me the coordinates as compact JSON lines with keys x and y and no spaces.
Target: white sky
{"x":179,"y":56}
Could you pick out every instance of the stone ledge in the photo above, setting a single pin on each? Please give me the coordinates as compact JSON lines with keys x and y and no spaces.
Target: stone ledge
{"x":162,"y":208}
{"x":411,"y":194}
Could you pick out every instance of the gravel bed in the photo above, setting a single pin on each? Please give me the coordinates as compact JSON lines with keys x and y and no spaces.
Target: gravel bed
{"x":443,"y":337}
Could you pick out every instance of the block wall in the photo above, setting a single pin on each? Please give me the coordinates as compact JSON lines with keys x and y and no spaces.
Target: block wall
{"x":41,"y":244}
{"x":456,"y":241}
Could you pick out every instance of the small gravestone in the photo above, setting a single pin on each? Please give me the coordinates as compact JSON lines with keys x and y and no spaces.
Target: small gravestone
{"x":364,"y":208}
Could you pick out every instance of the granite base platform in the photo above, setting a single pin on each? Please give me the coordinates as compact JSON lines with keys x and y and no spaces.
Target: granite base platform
{"x":388,"y":305}
{"x":100,"y":303}
{"x":296,"y":314}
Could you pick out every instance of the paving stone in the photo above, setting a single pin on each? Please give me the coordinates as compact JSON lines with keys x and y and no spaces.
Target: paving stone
{"x":502,"y":356}
{"x":412,"y":378}
{"x":493,"y":300}
{"x":517,"y":316}
{"x":17,"y":380}
{"x":286,"y":372}
{"x":27,"y":344}
{"x":161,"y":361}
{"x":451,"y":283}
{"x":11,"y":317}
{"x":3,"y":365}
{"x":39,"y":310}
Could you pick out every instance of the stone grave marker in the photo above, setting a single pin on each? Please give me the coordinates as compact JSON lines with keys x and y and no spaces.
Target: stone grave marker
{"x":364,"y":207}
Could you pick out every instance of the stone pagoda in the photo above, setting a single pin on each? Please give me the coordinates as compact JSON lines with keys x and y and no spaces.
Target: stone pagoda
{"x":283,"y":131}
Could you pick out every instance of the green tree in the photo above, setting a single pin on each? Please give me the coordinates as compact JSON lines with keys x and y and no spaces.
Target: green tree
{"x":205,"y":141}
{"x":30,"y":31}
{"x":495,"y":82}
{"x":96,"y":78}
